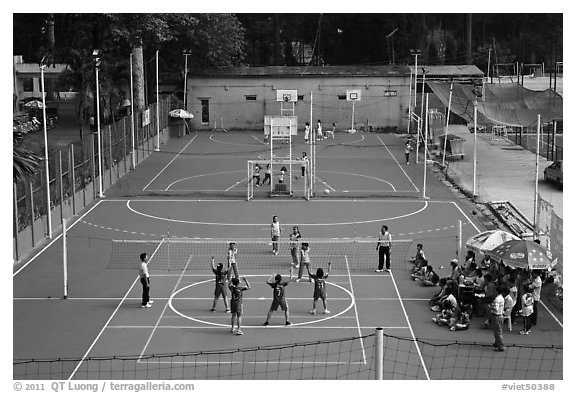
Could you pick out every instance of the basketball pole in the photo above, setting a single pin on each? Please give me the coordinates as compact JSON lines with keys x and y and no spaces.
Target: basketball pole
{"x":409,"y":103}
{"x":425,"y":148}
{"x":157,"y":108}
{"x":447,"y":121}
{"x":459,"y":235}
{"x":65,"y":258}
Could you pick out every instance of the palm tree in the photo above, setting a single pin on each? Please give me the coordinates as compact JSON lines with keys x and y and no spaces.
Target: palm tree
{"x":25,"y":162}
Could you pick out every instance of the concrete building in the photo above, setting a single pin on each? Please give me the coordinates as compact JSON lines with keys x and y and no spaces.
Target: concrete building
{"x":239,"y":97}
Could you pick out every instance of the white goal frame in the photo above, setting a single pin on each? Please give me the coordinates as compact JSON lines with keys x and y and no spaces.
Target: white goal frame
{"x":272,"y":190}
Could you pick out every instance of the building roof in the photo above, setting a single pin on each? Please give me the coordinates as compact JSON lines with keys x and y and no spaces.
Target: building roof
{"x":433,"y":71}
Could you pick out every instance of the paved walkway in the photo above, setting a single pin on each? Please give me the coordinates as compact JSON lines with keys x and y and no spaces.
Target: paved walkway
{"x":504,"y":172}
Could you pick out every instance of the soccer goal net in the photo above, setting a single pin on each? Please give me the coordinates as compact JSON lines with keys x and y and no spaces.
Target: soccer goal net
{"x":277,"y":178}
{"x":185,"y":254}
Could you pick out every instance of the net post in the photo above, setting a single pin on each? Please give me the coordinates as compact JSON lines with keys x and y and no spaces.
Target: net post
{"x":64,"y":258}
{"x":458,"y":252}
{"x":379,"y":354}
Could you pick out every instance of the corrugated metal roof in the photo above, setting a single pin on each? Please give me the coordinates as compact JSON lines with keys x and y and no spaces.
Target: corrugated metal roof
{"x":341,"y":71}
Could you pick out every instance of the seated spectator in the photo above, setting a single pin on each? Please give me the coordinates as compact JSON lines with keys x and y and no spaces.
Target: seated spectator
{"x":419,"y":269}
{"x":470,"y":270}
{"x":435,"y":299}
{"x":419,"y":254}
{"x":470,"y":258}
{"x":456,"y":270}
{"x":445,"y":315}
{"x":451,"y":294}
{"x":461,"y":319}
{"x":527,"y":309}
{"x":429,"y":278}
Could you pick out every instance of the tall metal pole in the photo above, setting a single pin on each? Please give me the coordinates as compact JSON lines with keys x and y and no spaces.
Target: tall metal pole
{"x":447,"y":122}
{"x":100,"y":174}
{"x":185,"y":77}
{"x":352,"y":127}
{"x":415,"y":78}
{"x":47,"y":170}
{"x":65,"y":258}
{"x":379,"y":354}
{"x":409,"y":103}
{"x":536,"y":229}
{"x":312,"y":157}
{"x":157,"y":108}
{"x":132,"y":116}
{"x":425,"y":148}
{"x":474,"y":165}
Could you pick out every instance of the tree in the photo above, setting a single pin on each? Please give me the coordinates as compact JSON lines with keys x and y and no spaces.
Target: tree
{"x":25,"y":162}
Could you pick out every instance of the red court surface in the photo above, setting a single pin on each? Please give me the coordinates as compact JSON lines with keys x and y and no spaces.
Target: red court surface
{"x":102,"y":316}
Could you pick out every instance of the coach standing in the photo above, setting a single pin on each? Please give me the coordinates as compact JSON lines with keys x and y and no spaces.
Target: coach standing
{"x":383,"y":247}
{"x":145,"y":280}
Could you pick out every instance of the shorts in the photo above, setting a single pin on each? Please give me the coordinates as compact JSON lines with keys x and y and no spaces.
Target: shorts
{"x":236,"y":308}
{"x":320,"y":295}
{"x":275,"y":303}
{"x":220,"y":290}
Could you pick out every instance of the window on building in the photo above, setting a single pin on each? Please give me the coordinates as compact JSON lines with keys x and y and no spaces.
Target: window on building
{"x":205,"y":104}
{"x":28,"y":85}
{"x":300,"y":97}
{"x":341,"y":96}
{"x":251,"y":97}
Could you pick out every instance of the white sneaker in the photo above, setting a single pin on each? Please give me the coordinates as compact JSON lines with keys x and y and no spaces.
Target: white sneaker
{"x":298,"y":280}
{"x":378,"y":270}
{"x":313,"y":312}
{"x":148,"y":305}
{"x":326,"y":311}
{"x":238,"y":332}
{"x":232,"y":330}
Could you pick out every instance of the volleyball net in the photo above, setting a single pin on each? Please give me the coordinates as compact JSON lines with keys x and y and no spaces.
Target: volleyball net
{"x":373,"y":356}
{"x":186,"y":254}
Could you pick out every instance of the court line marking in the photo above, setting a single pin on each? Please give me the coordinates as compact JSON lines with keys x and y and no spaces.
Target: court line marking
{"x":231,"y":143}
{"x":210,"y":298}
{"x":323,"y":182}
{"x":235,"y":184}
{"x":54,"y":240}
{"x":226,"y":316}
{"x":367,"y":177}
{"x":195,"y":177}
{"x":171,"y":161}
{"x":356,"y":311}
{"x":402,"y":169}
{"x":161,"y":314}
{"x":331,"y":316}
{"x":128,"y":205}
{"x":109,"y":319}
{"x":410,"y":328}
{"x":227,"y":327}
{"x":478,"y":230}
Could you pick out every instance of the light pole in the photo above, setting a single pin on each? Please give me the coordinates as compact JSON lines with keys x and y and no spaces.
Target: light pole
{"x":157,"y":108}
{"x":186,"y":54}
{"x":47,"y":170}
{"x":388,"y":37}
{"x":132,"y":116}
{"x":96,"y":57}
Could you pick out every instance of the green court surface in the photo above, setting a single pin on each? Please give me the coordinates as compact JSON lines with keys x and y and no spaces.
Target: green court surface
{"x":197,"y":194}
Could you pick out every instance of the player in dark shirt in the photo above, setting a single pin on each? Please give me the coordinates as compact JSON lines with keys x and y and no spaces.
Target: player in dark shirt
{"x":278,"y":297}
{"x":220,"y":288}
{"x":319,"y":287}
{"x":236,"y":292}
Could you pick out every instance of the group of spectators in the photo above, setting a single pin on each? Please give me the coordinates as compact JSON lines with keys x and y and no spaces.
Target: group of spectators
{"x":488,"y":289}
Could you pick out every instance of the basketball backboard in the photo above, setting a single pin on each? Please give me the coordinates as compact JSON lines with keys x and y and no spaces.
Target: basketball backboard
{"x":286,"y":95}
{"x":353,"y":95}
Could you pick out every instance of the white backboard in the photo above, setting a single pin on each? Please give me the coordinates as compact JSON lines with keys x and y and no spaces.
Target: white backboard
{"x":282,"y":125}
{"x":286,"y":95}
{"x":353,"y":95}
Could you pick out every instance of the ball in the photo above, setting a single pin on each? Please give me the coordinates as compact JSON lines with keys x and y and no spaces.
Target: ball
{"x":474,"y":212}
{"x":296,"y":177}
{"x":441,"y":267}
{"x":326,"y":191}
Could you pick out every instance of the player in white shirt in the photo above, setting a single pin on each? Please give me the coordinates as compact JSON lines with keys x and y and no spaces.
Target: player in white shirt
{"x":275,"y":232}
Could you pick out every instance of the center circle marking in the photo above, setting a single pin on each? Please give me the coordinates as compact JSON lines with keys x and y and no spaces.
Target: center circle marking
{"x":173,"y":296}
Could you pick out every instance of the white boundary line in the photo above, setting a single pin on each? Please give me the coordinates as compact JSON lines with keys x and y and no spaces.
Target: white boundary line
{"x":365,"y":176}
{"x":323,"y":182}
{"x":478,"y":230}
{"x":212,"y":327}
{"x":400,"y":166}
{"x":163,"y":311}
{"x":171,"y":161}
{"x":356,"y":311}
{"x":195,"y":177}
{"x":410,"y":327}
{"x":55,"y":239}
{"x":237,"y":183}
{"x":109,"y":319}
{"x":211,"y":298}
{"x":128,"y":202}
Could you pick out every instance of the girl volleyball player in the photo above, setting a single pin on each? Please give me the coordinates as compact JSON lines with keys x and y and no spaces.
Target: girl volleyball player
{"x":275,"y":232}
{"x":232,"y":251}
{"x":278,"y":297}
{"x":220,"y":282}
{"x":319,"y":287}
{"x":294,"y":240}
{"x":236,"y":291}
{"x":304,"y":260}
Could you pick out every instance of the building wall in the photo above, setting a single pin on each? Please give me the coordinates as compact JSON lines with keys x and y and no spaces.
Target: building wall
{"x":384,"y":101}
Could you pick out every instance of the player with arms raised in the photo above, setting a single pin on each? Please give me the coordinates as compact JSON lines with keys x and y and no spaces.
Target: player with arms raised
{"x":236,"y":293}
{"x":319,"y":287}
{"x":220,"y":288}
{"x":278,"y":297}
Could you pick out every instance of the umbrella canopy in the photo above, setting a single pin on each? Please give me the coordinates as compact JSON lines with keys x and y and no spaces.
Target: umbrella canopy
{"x":181,"y":113}
{"x":489,"y":240}
{"x":34,"y":104}
{"x":523,"y":254}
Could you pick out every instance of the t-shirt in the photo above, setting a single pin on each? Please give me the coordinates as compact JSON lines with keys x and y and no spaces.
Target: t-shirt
{"x":508,"y":304}
{"x":278,"y":290}
{"x":236,"y":293}
{"x":305,"y":256}
{"x":232,"y":256}
{"x":319,"y":282}
{"x":275,"y":228}
{"x":220,"y":276}
{"x":143,"y":270}
{"x":536,"y":287}
{"x":527,"y":304}
{"x":384,"y":239}
{"x":294,"y":240}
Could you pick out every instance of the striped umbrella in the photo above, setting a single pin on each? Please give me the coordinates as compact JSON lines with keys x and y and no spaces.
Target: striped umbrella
{"x":523,"y":254}
{"x":489,"y":240}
